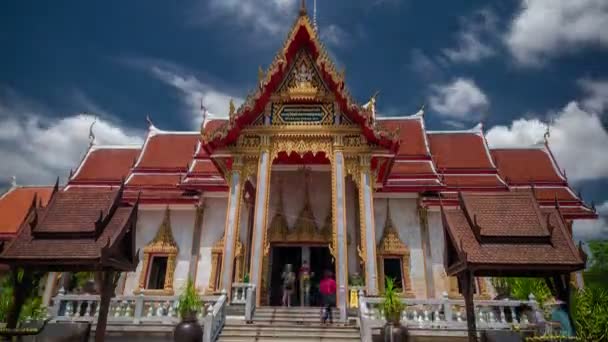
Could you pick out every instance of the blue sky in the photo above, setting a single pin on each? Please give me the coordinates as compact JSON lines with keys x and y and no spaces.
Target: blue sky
{"x":521,"y":65}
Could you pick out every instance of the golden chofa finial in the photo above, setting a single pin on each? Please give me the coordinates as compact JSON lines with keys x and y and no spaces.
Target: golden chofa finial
{"x":303,"y":7}
{"x":231,"y":110}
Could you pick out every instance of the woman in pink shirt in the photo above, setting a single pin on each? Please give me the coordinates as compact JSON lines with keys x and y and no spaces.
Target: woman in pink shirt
{"x":327,"y":287}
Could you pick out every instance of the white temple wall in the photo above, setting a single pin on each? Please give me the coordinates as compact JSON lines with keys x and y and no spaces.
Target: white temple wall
{"x":148,"y":223}
{"x":214,"y":220}
{"x":437,"y":246}
{"x":404,"y":214}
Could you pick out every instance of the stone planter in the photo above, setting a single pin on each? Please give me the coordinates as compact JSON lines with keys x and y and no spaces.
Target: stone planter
{"x":188,"y":330}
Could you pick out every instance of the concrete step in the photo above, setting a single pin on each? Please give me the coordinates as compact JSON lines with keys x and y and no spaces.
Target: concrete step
{"x":281,"y":339}
{"x":290,"y":333}
{"x":292,"y":328}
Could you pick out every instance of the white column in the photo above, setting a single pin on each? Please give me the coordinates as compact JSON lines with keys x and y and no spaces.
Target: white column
{"x":339,"y":241}
{"x":259,"y":221}
{"x":366,"y":208}
{"x":231,"y":229}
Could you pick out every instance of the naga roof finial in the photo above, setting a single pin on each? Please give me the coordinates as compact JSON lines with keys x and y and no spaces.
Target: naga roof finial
{"x":91,"y":133}
{"x":13,"y":181}
{"x":231,"y":110}
{"x":302,"y":7}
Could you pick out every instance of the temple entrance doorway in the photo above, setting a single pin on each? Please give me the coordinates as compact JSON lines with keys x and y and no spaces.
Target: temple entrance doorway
{"x":318,"y":259}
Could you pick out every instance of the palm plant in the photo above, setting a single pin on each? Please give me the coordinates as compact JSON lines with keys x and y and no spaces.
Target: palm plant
{"x":391,"y":303}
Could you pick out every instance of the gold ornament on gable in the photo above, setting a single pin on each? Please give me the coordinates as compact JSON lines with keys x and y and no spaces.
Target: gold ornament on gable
{"x":164,"y":245}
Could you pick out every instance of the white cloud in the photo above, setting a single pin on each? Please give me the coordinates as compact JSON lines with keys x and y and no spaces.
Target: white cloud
{"x":461,"y":99}
{"x":574,"y":133}
{"x":259,"y":16}
{"x":586,"y":230}
{"x":37,"y":148}
{"x":192,"y":90}
{"x":471,"y":46}
{"x":548,"y":28}
{"x":596,"y":95}
{"x":334,"y":35}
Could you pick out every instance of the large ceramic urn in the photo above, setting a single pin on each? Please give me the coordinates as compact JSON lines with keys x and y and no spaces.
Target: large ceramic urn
{"x":188,"y":330}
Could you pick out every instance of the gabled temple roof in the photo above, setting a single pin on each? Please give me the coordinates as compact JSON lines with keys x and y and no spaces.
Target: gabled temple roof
{"x":301,"y":36}
{"x":105,"y":165}
{"x":15,"y":205}
{"x":527,"y":165}
{"x":167,"y":151}
{"x":498,"y":233}
{"x":81,"y":228}
{"x":460,"y":150}
{"x":410,"y":133}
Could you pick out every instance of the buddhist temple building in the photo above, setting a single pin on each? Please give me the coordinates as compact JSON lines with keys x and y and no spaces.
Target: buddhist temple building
{"x":299,"y":172}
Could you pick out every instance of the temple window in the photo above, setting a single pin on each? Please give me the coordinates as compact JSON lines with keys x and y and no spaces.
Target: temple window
{"x":394,"y":258}
{"x":392,"y":269}
{"x":481,"y":290}
{"x":159,"y":261}
{"x":157,"y":273}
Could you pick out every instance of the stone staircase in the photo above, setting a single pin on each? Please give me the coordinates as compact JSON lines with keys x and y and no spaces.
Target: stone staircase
{"x":289,"y":324}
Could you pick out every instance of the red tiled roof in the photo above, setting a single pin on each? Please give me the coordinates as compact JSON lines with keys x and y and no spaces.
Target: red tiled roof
{"x":473,"y":181}
{"x":411,"y":135}
{"x":459,"y":151}
{"x":169,"y":151}
{"x":154,"y":180}
{"x":523,"y":166}
{"x":503,"y":216}
{"x":106,"y":164}
{"x":214,"y":124}
{"x":15,"y":204}
{"x":71,"y":211}
{"x":204,"y":166}
{"x":76,"y":210}
{"x":412,"y":168}
{"x":506,"y":214}
{"x":550,"y":194}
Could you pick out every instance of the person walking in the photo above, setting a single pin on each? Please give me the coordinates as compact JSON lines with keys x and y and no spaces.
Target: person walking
{"x":327,"y":287}
{"x":289,"y":280}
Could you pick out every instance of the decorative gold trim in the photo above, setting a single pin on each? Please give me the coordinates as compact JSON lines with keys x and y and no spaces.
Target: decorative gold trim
{"x":163,"y":244}
{"x":391,"y":246}
{"x":217,"y":252}
{"x":301,"y":146}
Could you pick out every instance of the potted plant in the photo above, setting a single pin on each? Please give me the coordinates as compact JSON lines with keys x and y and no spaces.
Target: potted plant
{"x":189,"y":330}
{"x":392,"y":308}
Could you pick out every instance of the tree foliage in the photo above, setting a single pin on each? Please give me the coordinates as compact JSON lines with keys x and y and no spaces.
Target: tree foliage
{"x":590,"y":313}
{"x":189,"y":301}
{"x":522,"y":288}
{"x":391,"y":302}
{"x":596,"y":274}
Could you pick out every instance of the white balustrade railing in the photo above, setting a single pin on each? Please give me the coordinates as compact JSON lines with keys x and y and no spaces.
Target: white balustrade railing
{"x":123,"y":309}
{"x":239,"y":293}
{"x":445,"y":313}
{"x":215,"y":319}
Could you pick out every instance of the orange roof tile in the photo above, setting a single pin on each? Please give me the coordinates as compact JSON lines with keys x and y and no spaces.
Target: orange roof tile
{"x":459,"y":151}
{"x":106,"y":164}
{"x":411,"y":135}
{"x":14,"y":206}
{"x":170,"y":151}
{"x":214,"y":124}
{"x":526,"y":165}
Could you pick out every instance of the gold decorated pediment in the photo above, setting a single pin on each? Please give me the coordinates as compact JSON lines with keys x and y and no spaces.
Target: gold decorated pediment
{"x":303,"y":81}
{"x":163,"y":244}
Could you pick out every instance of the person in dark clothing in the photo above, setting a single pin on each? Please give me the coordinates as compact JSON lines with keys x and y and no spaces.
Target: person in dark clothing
{"x":327,"y":287}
